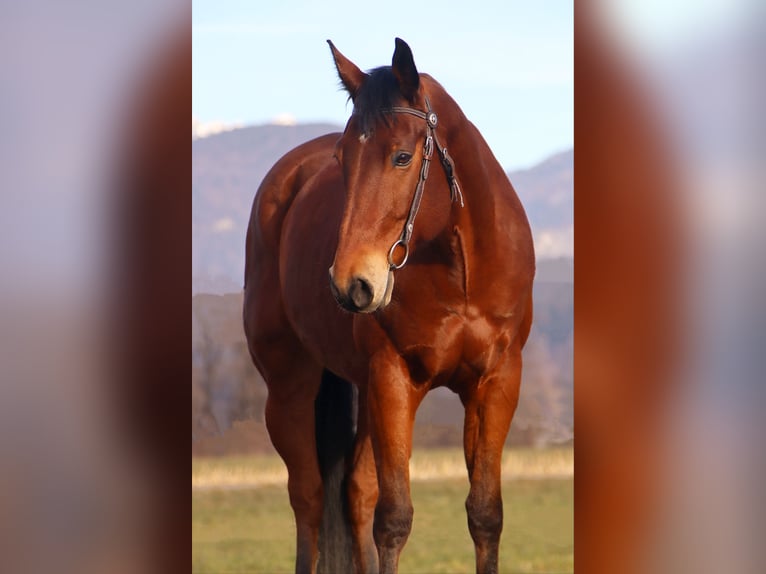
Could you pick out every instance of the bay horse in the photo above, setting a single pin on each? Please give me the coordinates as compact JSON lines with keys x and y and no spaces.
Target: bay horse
{"x":430,"y":284}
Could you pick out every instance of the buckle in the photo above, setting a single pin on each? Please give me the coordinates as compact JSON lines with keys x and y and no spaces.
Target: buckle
{"x":428,"y":147}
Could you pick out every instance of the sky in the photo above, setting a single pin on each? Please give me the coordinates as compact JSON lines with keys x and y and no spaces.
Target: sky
{"x":509,"y":65}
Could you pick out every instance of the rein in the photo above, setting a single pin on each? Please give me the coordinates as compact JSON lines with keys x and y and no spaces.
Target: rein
{"x":449,"y":169}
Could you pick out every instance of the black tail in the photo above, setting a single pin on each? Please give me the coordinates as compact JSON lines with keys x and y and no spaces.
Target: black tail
{"x":335,"y":428}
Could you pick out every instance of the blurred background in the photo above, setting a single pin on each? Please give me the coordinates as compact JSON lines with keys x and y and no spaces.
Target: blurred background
{"x":668,"y":320}
{"x":251,"y":107}
{"x":94,"y":249}
{"x":264,"y":82}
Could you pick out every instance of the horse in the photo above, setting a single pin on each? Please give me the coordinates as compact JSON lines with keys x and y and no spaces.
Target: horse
{"x":369,"y":283}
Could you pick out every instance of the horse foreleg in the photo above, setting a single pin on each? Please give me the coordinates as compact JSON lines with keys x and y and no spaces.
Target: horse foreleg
{"x":489,"y":408}
{"x":392,"y":401}
{"x":290,"y":421}
{"x":363,"y":494}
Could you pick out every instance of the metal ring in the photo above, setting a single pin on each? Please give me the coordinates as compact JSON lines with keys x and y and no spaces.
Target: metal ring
{"x":406,"y":246}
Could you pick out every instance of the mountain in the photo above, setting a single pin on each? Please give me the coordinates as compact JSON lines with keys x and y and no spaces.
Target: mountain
{"x":547,"y":193}
{"x":228,"y":167}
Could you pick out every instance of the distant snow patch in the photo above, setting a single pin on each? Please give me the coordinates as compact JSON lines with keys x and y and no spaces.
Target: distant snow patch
{"x":284,"y":120}
{"x":223,"y":225}
{"x":204,"y":129}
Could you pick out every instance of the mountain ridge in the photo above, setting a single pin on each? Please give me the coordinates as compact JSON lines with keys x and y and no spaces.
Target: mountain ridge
{"x":228,"y":167}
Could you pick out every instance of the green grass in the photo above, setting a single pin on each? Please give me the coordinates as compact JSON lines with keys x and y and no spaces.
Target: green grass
{"x":239,"y":529}
{"x":242,"y":531}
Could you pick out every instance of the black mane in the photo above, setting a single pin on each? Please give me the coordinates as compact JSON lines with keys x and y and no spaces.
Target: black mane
{"x":379,"y":93}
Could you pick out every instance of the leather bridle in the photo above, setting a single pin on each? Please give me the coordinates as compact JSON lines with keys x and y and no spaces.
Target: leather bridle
{"x":449,"y":169}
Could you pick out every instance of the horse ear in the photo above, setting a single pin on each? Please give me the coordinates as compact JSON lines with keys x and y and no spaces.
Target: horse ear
{"x":351,"y":77}
{"x":403,"y":67}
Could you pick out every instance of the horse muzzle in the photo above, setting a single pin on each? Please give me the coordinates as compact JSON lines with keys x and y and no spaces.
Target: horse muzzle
{"x":361,"y":294}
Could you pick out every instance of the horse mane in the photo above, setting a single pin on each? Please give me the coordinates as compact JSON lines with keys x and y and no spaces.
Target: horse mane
{"x":378,"y":95}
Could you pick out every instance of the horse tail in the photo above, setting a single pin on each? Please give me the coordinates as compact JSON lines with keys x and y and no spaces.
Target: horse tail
{"x":335,"y":427}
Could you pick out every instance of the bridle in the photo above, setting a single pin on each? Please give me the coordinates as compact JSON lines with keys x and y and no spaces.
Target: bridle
{"x":449,"y":169}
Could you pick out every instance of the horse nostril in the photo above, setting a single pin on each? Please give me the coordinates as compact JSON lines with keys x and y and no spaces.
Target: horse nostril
{"x":360,"y":293}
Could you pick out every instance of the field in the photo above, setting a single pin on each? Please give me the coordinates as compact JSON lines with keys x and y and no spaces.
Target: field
{"x":242,"y":521}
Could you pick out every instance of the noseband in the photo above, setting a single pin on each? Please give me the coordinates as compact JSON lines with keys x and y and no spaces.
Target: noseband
{"x":449,"y":169}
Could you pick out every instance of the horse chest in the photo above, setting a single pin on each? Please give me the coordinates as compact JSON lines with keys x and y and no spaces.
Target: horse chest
{"x":482,"y":343}
{"x":457,"y":343}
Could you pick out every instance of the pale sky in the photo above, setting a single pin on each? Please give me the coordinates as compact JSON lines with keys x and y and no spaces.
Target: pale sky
{"x":509,"y":65}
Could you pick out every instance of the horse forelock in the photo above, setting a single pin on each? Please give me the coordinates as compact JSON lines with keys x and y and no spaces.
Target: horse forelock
{"x":377,"y":96}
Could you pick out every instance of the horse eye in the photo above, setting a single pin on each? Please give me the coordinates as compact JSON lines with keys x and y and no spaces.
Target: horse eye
{"x":402,"y":159}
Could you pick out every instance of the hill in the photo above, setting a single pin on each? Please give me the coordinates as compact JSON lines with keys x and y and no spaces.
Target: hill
{"x":227,"y":170}
{"x":547,"y":193}
{"x":228,"y":167}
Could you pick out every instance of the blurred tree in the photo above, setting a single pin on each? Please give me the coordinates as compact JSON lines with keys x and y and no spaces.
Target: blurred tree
{"x":542,"y":408}
{"x":205,"y":356}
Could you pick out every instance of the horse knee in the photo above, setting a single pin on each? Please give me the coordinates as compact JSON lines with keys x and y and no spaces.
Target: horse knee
{"x":485,"y":517}
{"x":362,"y":496}
{"x":306,"y":501}
{"x":393,"y":522}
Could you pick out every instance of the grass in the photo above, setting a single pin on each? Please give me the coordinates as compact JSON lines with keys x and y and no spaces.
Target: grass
{"x":238,"y":528}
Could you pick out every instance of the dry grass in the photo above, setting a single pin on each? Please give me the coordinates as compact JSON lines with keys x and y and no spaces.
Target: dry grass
{"x":238,"y":472}
{"x":437,"y":464}
{"x":528,"y":463}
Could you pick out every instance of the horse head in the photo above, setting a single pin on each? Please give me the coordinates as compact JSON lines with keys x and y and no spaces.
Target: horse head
{"x":384,"y":156}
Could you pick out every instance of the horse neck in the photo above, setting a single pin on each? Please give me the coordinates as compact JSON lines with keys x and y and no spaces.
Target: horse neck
{"x":478,"y":237}
{"x":482,"y":180}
